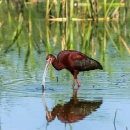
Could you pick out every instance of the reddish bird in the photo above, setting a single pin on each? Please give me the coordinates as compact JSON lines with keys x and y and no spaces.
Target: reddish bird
{"x":73,"y":61}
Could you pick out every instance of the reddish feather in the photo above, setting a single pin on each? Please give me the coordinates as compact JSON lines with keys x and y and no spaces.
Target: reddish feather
{"x":73,"y":61}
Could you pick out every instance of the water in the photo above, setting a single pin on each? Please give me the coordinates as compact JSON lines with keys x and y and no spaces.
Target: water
{"x":22,"y":103}
{"x":101,"y":103}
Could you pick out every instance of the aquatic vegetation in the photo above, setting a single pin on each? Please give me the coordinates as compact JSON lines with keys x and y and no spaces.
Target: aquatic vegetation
{"x":29,"y":28}
{"x":84,"y":10}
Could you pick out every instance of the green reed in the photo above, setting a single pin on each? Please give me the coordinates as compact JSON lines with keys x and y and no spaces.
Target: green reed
{"x":105,"y":7}
{"x":57,"y":6}
{"x":47,"y":9}
{"x":71,"y":8}
{"x":92,"y":9}
{"x":27,"y":34}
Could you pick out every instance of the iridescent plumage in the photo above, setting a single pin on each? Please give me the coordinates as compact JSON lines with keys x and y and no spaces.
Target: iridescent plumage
{"x":73,"y":61}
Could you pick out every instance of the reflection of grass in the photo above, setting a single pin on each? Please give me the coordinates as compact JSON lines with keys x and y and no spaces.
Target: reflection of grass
{"x":16,"y":33}
{"x":125,"y":44}
{"x":112,"y":40}
{"x":87,"y":38}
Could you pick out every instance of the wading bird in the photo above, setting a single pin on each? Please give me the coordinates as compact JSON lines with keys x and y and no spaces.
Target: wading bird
{"x":73,"y":61}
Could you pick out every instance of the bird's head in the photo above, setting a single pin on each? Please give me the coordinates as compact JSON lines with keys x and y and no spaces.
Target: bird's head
{"x":49,"y":116}
{"x":50,"y":58}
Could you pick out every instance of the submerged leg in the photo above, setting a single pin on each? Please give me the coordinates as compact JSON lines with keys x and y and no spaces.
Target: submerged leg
{"x":76,"y":80}
{"x":75,"y":73}
{"x":73,"y":84}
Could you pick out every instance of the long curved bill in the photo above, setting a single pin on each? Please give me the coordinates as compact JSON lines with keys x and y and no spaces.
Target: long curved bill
{"x":45,"y":72}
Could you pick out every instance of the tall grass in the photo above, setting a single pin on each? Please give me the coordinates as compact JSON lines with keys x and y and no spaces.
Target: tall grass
{"x":92,"y":10}
{"x":27,"y":22}
{"x":29,"y":34}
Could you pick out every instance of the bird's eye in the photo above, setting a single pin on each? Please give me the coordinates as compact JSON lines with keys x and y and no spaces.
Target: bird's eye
{"x":50,"y":59}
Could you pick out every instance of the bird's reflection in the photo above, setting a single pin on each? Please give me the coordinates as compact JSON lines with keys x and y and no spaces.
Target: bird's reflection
{"x":72,"y":111}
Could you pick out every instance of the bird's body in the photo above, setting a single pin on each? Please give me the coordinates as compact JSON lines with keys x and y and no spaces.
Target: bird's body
{"x":73,"y":61}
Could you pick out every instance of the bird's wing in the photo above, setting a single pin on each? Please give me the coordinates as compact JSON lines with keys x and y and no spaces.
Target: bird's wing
{"x":78,"y":56}
{"x":74,"y":60}
{"x":83,"y":62}
{"x":80,"y":60}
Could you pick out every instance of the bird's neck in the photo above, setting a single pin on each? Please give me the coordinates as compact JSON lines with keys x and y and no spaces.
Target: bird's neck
{"x":56,"y":65}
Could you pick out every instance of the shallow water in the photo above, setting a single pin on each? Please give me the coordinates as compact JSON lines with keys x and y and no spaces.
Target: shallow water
{"x":22,"y":101}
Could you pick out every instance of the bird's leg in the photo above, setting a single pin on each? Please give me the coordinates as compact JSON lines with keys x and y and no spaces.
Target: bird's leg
{"x":75,"y":73}
{"x":78,"y":82}
{"x":73,"y":84}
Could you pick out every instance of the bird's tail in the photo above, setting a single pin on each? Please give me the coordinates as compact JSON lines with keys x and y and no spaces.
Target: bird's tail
{"x":95,"y":64}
